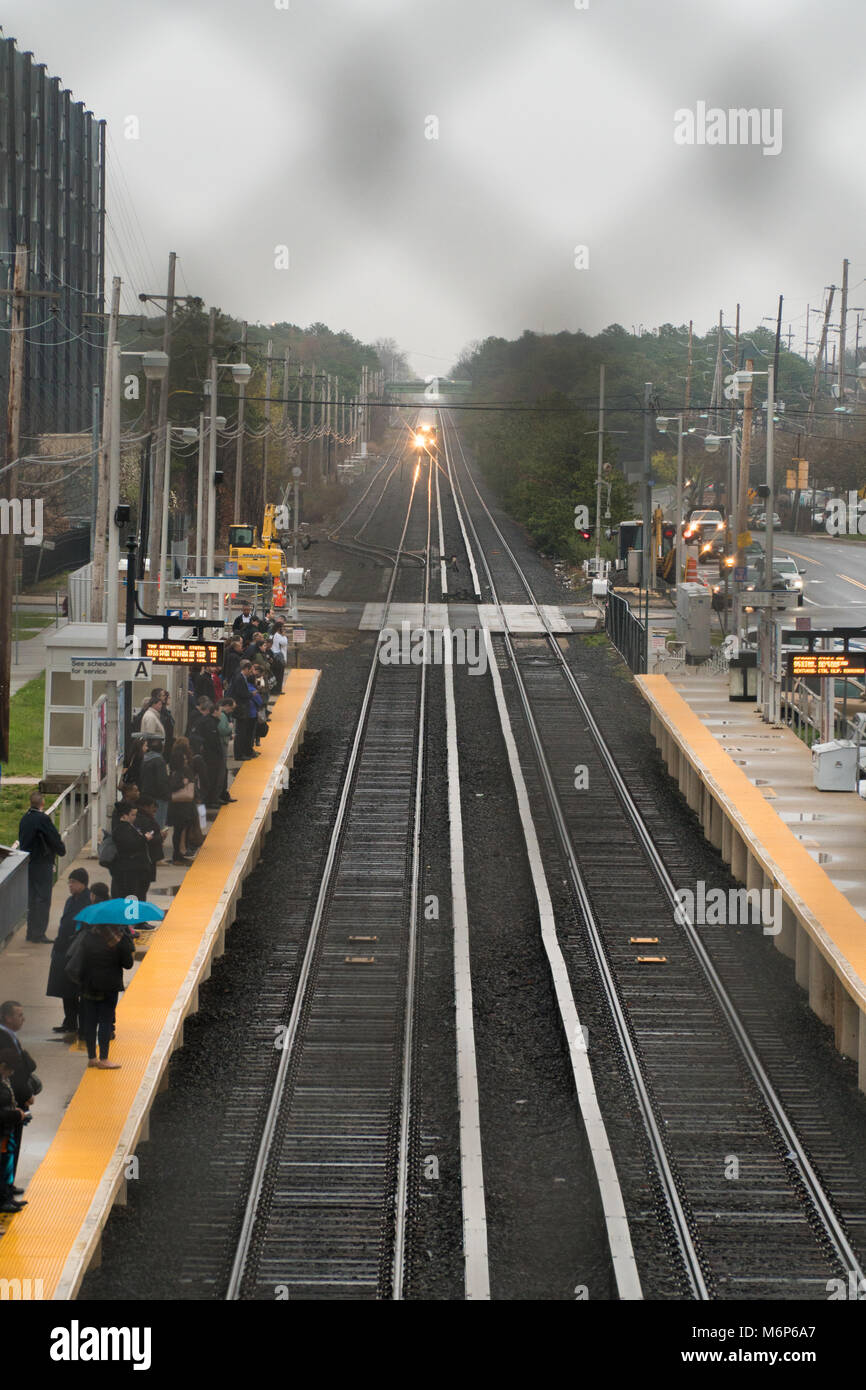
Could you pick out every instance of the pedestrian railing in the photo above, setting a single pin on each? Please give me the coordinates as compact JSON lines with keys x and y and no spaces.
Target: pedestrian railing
{"x":626,"y":632}
{"x":73,"y":811}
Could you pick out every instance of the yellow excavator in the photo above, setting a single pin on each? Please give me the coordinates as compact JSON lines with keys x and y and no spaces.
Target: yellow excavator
{"x":258,"y":561}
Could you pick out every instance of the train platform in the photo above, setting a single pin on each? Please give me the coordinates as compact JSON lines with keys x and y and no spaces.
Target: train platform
{"x":77,"y":1152}
{"x":751,"y":785}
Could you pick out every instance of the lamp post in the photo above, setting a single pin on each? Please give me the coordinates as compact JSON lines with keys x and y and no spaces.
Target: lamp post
{"x":662,"y":424}
{"x":241,"y":373}
{"x":188,"y":436}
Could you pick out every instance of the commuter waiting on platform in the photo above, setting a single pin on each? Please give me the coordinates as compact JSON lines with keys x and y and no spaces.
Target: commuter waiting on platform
{"x":279,"y":653}
{"x":59,"y":984}
{"x":153,"y":779}
{"x":12,"y":1121}
{"x":130,"y":871}
{"x":151,"y":722}
{"x":182,"y":807}
{"x":106,"y":952}
{"x":38,"y":837}
{"x":148,"y":826}
{"x":25,"y":1083}
{"x":245,"y":714}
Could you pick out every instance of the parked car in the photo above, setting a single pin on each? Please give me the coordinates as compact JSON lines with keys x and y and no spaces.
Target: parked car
{"x":761,"y":523}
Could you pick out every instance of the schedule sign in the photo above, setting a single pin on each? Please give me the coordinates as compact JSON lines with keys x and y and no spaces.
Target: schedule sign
{"x":182,"y":653}
{"x":829,"y":664}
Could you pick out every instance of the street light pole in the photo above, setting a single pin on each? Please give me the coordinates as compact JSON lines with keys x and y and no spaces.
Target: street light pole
{"x":600,"y":466}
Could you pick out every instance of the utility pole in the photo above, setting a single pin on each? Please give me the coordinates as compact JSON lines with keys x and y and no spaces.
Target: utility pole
{"x":162,"y":453}
{"x":599,"y":469}
{"x":200,"y":493}
{"x":745,"y":460}
{"x":239,"y":454}
{"x":822,"y":346}
{"x":843,"y":314}
{"x":203,"y":521}
{"x":778,"y":343}
{"x":98,"y":601}
{"x":286,"y":418}
{"x":269,"y":371}
{"x":9,"y":489}
{"x":689,"y":371}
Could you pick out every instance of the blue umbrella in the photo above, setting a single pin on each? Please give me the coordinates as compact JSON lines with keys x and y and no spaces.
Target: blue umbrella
{"x":121,"y":912}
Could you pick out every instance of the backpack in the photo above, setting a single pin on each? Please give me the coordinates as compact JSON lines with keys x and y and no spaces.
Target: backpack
{"x":135,"y":725}
{"x":74,"y":963}
{"x":107,"y":850}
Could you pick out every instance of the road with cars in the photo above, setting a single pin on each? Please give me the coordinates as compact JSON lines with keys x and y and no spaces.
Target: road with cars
{"x":835,"y":566}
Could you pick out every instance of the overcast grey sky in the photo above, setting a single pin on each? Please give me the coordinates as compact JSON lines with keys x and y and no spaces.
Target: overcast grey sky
{"x":307,"y":127}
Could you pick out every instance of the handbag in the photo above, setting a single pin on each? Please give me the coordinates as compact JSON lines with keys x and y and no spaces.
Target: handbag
{"x":34,"y":1083}
{"x":184,"y":793}
{"x":74,"y":962}
{"x":107,"y":850}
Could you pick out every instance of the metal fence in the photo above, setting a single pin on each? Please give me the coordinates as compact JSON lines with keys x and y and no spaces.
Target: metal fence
{"x":626,"y":632}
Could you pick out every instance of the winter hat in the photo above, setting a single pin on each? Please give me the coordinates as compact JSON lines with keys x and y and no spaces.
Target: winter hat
{"x":80,"y":876}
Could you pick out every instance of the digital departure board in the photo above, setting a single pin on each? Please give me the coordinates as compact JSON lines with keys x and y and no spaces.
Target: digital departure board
{"x":182,"y":653}
{"x":827,"y":664}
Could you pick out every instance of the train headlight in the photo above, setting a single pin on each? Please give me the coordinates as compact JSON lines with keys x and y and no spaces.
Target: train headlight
{"x":420,"y":441}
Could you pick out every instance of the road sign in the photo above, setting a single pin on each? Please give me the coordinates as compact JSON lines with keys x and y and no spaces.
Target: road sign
{"x":827,"y":665}
{"x":744,"y":540}
{"x":113,"y":668}
{"x":299,"y":634}
{"x":740,"y":573}
{"x":183,"y":653}
{"x":208,"y":584}
{"x":230,"y":569}
{"x":791,"y":479}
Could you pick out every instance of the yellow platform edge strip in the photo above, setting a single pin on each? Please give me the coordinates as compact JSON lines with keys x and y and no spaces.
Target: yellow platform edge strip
{"x":836,"y":927}
{"x":71,"y":1193}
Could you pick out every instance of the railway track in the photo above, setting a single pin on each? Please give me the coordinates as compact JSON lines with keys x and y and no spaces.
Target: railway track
{"x":332,"y":1187}
{"x":383,"y":555}
{"x":739,"y":1188}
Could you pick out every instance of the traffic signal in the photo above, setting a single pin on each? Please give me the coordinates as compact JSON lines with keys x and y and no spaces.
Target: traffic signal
{"x":584,"y":534}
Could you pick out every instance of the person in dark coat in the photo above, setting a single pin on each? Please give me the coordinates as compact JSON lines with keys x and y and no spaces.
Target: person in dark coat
{"x":210,"y":746}
{"x":59,"y":985}
{"x":38,"y":837}
{"x":12,"y":1121}
{"x":167,"y":722}
{"x":245,"y":622}
{"x":146,"y":821}
{"x":245,"y":717}
{"x":107,"y":951}
{"x":153,"y":782}
{"x":181,"y":814}
{"x":231,"y":661}
{"x":21,"y":1080}
{"x":130,"y":872}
